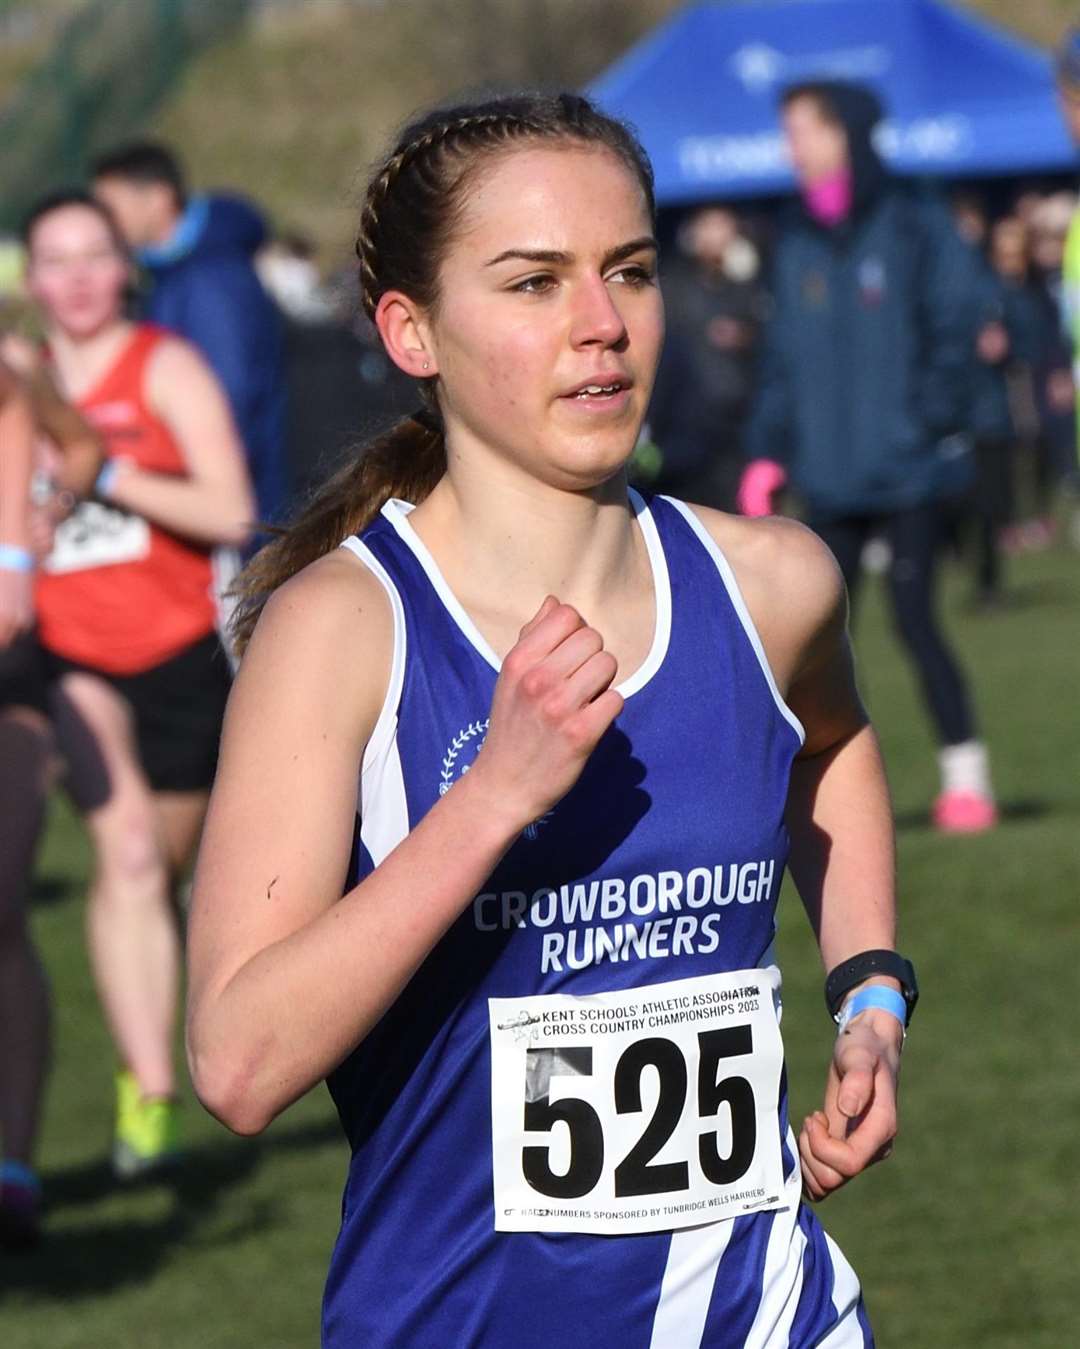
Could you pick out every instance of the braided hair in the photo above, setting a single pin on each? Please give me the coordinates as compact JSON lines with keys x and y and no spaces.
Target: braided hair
{"x":410,"y":209}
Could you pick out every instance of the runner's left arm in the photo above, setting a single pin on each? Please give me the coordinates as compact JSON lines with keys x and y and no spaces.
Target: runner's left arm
{"x":213,"y":502}
{"x":839,"y":818}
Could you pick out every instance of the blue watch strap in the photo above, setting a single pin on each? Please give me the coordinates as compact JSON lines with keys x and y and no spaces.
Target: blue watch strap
{"x":877,"y":995}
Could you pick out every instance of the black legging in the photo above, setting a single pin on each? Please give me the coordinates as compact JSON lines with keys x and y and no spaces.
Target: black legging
{"x":914,"y":537}
{"x":992,"y":509}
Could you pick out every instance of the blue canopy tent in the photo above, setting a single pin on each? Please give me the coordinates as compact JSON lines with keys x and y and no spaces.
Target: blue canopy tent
{"x":964,"y":99}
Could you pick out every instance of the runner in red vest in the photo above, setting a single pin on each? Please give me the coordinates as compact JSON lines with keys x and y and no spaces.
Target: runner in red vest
{"x":128,"y":618}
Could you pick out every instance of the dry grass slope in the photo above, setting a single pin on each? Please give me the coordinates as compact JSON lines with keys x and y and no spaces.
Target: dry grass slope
{"x":295,"y":109}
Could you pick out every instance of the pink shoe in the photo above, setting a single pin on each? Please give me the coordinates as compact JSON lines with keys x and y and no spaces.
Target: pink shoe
{"x":964,"y":813}
{"x":1040,"y":533}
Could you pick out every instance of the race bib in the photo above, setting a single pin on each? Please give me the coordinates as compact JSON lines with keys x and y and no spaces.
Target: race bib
{"x":637,"y":1111}
{"x":96,"y":535}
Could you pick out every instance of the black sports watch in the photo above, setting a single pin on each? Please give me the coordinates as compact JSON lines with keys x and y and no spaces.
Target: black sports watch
{"x":858,"y":968}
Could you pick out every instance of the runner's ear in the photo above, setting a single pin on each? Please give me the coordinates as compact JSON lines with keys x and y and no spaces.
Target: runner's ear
{"x":405,"y":334}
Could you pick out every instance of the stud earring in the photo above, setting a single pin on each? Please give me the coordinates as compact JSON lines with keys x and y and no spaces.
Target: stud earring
{"x":425,"y":365}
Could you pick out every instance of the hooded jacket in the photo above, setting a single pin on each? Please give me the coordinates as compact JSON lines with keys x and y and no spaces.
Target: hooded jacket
{"x":864,"y":376}
{"x":205,"y":288}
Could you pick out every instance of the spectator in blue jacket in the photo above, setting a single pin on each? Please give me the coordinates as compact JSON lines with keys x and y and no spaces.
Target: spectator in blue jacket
{"x":199,"y":251}
{"x":864,"y":390}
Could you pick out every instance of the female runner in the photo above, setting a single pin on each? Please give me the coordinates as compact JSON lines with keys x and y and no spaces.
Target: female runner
{"x":128,"y":619}
{"x":542,"y":734}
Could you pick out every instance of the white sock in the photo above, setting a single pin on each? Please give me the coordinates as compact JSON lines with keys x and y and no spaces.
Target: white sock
{"x":965,"y":768}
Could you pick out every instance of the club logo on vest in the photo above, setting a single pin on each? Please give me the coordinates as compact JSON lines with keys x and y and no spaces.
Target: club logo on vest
{"x":461,"y":754}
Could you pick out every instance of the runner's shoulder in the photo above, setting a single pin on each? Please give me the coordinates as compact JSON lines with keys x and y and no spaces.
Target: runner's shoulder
{"x":175,"y":358}
{"x":335,"y":599}
{"x":788,"y":577}
{"x":329,"y":632}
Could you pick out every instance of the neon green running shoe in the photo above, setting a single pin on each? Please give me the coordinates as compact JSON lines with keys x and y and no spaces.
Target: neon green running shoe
{"x":147,"y":1131}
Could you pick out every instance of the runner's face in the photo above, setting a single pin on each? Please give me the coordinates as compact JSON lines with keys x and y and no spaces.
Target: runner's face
{"x":76,"y":272}
{"x":549,"y":286}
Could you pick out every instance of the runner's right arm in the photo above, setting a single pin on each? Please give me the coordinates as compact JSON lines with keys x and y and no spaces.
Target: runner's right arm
{"x":286,"y":976}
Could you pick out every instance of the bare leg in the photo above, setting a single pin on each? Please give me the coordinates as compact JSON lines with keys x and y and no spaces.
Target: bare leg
{"x":24,"y":997}
{"x":180,"y":818}
{"x":132,"y":932}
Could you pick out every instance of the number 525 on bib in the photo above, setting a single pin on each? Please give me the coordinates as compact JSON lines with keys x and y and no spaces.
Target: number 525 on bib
{"x":641,"y":1110}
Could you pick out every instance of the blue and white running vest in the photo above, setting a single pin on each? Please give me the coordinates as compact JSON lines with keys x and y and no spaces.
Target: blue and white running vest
{"x":636,"y":921}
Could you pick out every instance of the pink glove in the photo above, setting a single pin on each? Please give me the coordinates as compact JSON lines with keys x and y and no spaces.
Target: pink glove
{"x":761,"y":480}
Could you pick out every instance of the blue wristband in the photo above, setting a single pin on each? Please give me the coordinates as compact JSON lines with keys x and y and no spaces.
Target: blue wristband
{"x":877,"y":995}
{"x":15,"y":1173}
{"x":106,"y":479}
{"x":15,"y":559}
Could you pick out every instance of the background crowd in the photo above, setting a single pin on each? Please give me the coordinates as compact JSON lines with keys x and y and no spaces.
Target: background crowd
{"x":1022,"y":399}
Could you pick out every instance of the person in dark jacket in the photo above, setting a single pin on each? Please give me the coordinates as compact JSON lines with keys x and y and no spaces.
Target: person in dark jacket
{"x":864,"y":389}
{"x":199,"y":251}
{"x":1003,"y":406}
{"x":1055,"y":392}
{"x":714,"y":304}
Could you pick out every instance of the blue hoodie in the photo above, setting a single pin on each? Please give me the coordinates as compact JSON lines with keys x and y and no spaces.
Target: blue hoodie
{"x":205,"y":288}
{"x":865,"y":371}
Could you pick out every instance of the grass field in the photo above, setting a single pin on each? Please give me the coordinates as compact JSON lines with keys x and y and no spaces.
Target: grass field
{"x":967,"y":1238}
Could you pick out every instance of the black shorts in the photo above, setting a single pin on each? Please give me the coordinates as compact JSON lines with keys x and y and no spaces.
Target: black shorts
{"x":24,"y":675}
{"x":178,"y":708}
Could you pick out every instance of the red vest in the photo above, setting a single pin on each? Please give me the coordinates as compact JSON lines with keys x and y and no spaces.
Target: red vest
{"x":117,"y":593}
